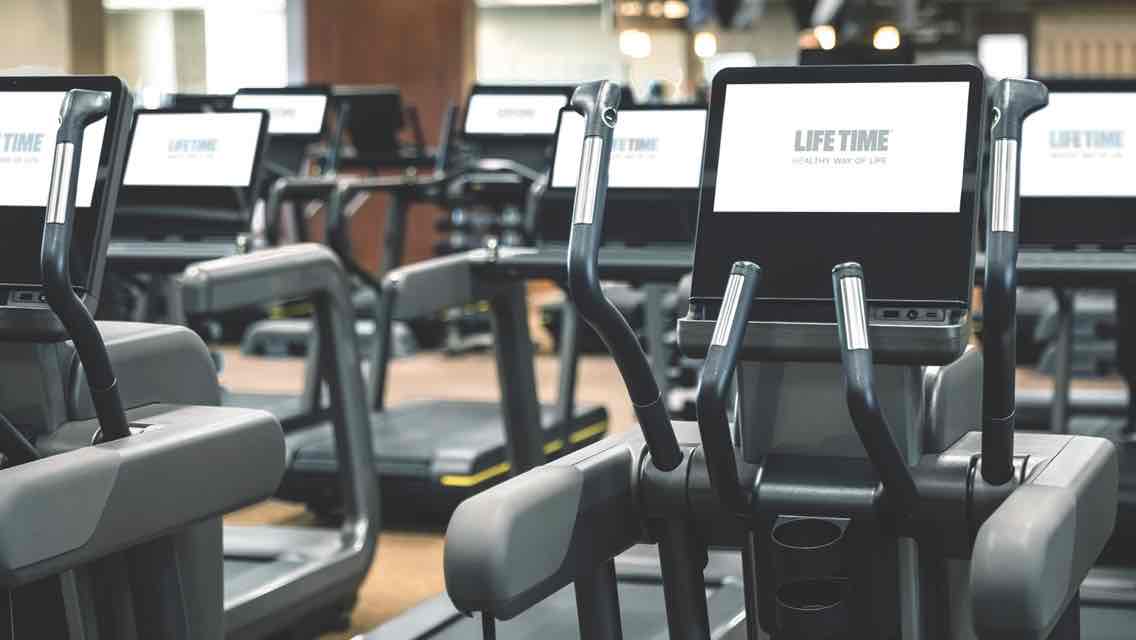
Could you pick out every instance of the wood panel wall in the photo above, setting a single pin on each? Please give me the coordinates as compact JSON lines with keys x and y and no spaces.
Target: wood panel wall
{"x":1085,"y":40}
{"x":426,"y":48}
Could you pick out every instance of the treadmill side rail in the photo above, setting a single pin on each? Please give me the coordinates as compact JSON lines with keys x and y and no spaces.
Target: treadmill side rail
{"x":1033,"y":552}
{"x":519,"y":542}
{"x":437,"y":284}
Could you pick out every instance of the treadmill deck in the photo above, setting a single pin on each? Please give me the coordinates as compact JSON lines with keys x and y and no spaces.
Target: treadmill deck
{"x":430,"y":455}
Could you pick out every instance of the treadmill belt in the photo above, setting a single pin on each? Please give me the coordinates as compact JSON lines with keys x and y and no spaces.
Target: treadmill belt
{"x":640,"y":604}
{"x":642,"y":611}
{"x":451,"y":439}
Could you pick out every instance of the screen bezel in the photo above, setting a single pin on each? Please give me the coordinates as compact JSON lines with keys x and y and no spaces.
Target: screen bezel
{"x":944,"y":242}
{"x":213,"y":197}
{"x":642,"y":192}
{"x":294,"y":91}
{"x":1105,"y":221}
{"x":512,"y":89}
{"x":92,"y":240}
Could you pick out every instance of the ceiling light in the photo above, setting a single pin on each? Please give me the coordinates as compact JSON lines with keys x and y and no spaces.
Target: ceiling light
{"x":675,"y":10}
{"x":655,"y":9}
{"x":634,"y":43}
{"x":631,"y":9}
{"x":705,"y":44}
{"x":886,"y":37}
{"x":825,"y":36}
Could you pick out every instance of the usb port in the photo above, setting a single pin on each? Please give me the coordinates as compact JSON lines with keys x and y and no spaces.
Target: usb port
{"x":891,"y":314}
{"x":932,"y":315}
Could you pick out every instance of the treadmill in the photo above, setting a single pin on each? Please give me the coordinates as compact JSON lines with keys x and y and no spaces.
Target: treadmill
{"x":432,"y":454}
{"x":277,"y":579}
{"x":653,"y":202}
{"x":1077,"y":200}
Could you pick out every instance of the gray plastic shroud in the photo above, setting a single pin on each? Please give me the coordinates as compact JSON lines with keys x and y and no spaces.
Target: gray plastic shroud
{"x":80,"y":505}
{"x":141,"y":355}
{"x":519,"y":542}
{"x":1032,"y":554}
{"x":437,"y":283}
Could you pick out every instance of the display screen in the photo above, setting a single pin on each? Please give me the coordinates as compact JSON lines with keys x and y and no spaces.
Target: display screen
{"x":289,"y":113}
{"x":1078,"y":147}
{"x":193,"y":149}
{"x":842,"y":147}
{"x":29,"y":122}
{"x":513,"y":114}
{"x":651,"y":149}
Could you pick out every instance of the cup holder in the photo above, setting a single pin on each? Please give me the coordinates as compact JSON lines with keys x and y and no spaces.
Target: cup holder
{"x":808,"y":548}
{"x":806,"y":534}
{"x":812,"y":609}
{"x":811,"y":595}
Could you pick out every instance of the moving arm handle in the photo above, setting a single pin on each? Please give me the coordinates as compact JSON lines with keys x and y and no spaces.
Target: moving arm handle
{"x":714,"y":385}
{"x":597,"y":102}
{"x":80,"y":108}
{"x":1014,"y":101}
{"x":860,"y":387}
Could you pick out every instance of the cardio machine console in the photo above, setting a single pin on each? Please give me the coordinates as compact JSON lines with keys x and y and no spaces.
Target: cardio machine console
{"x":653,"y":178}
{"x":1077,"y":162}
{"x":809,"y":167}
{"x":206,"y":164}
{"x":513,"y":111}
{"x":29,"y":120}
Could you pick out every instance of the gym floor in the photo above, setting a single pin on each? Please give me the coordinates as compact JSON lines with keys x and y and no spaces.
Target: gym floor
{"x":408,"y":565}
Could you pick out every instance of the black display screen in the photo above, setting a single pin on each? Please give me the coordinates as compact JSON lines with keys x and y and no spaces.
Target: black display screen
{"x":808,"y":167}
{"x":28,"y":126}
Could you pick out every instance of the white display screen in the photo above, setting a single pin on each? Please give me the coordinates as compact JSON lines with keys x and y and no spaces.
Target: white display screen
{"x":29,"y":122}
{"x":1078,"y":147}
{"x":288,"y":114}
{"x":512,"y":114}
{"x":660,"y":149}
{"x":193,"y":150}
{"x":843,"y":147}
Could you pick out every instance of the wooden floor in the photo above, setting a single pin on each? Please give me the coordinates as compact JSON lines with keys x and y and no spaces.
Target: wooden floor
{"x":408,"y":566}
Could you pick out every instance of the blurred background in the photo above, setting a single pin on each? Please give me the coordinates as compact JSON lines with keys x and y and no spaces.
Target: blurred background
{"x":434,"y":50}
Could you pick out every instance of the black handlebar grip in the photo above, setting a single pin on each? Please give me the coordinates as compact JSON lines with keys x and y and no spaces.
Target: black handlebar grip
{"x":81,"y":107}
{"x":598,"y":102}
{"x":1014,"y":100}
{"x":863,"y":405}
{"x":714,"y":385}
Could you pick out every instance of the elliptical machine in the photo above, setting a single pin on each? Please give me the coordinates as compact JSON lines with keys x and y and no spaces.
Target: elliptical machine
{"x":849,"y":526}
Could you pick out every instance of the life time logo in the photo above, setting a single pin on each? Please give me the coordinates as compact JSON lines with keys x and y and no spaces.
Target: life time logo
{"x":21,"y":147}
{"x":185,"y":146}
{"x":841,"y":147}
{"x":516,"y":113}
{"x":1086,"y":144}
{"x":282,"y":113}
{"x":1086,"y":139}
{"x":635,"y":149}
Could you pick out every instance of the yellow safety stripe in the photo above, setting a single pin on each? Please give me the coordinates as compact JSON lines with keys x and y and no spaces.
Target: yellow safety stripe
{"x":552,"y":446}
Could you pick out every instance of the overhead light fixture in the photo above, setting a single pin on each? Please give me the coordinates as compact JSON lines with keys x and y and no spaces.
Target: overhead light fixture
{"x":675,"y":10}
{"x":886,"y":37}
{"x":635,"y":43}
{"x":825,"y":36}
{"x":655,"y":9}
{"x":807,"y":39}
{"x":632,"y":9}
{"x":705,"y":44}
